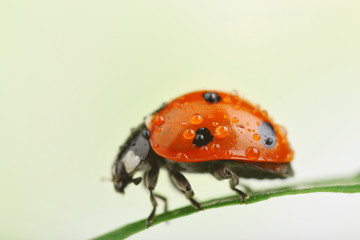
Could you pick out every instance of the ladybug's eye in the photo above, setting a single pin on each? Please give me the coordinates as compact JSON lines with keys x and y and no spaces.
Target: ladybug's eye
{"x":211,"y":97}
{"x":268,"y":135}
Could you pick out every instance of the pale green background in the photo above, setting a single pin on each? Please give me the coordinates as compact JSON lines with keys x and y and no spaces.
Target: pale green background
{"x":75,"y":76}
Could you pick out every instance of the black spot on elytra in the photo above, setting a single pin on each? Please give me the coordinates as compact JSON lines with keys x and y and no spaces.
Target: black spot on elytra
{"x":268,"y":135}
{"x":211,"y":97}
{"x":203,"y":137}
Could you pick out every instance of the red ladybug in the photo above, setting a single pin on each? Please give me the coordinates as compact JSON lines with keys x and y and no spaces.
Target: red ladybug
{"x":203,"y":132}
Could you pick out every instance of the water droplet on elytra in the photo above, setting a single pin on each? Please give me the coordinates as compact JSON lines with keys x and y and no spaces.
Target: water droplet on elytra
{"x":221,"y":132}
{"x":235,"y":120}
{"x":256,"y":137}
{"x":196,"y":119}
{"x":215,"y":124}
{"x":215,"y":146}
{"x":227,"y":100}
{"x":189,"y":134}
{"x":252,"y":153}
{"x":158,"y":120}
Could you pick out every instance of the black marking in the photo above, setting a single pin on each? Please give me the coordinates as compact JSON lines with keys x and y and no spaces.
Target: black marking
{"x":203,"y":137}
{"x":268,"y":135}
{"x":211,"y":97}
{"x":269,"y":141}
{"x":137,"y":143}
{"x":145,"y":133}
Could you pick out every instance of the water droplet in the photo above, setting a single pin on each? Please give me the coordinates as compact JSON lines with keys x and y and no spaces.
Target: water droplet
{"x":196,"y":119}
{"x":237,"y":107}
{"x":264,"y":113}
{"x":189,"y":133}
{"x":184,"y":124}
{"x":256,"y":137}
{"x":215,"y":146}
{"x":241,"y":125}
{"x":235,"y":120}
{"x":155,"y":145}
{"x":159,"y":130}
{"x":221,"y":132}
{"x":252,"y":153}
{"x":215,"y":124}
{"x":227,"y":100}
{"x":210,"y":116}
{"x":226,"y":115}
{"x":249,"y":130}
{"x":258,"y":123}
{"x":158,"y":120}
{"x":204,"y":148}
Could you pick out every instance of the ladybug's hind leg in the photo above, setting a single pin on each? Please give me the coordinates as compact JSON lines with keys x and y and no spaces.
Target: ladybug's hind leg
{"x":181,"y":183}
{"x":222,"y":172}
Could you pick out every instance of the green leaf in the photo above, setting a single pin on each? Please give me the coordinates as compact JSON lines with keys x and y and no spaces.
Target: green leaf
{"x":338,"y":185}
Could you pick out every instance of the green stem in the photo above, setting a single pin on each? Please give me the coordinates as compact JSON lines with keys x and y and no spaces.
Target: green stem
{"x":338,"y":185}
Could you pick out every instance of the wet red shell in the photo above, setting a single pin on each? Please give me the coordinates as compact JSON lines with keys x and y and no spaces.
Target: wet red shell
{"x":233,"y":122}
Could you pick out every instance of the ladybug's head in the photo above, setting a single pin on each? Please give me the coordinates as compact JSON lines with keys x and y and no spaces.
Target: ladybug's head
{"x":131,"y":157}
{"x":121,"y":178}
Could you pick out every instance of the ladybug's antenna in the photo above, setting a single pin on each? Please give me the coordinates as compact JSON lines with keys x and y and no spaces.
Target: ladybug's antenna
{"x":103,"y":179}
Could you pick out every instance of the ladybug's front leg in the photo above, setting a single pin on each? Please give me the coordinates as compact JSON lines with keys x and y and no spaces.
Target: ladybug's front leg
{"x":184,"y":186}
{"x":222,"y":172}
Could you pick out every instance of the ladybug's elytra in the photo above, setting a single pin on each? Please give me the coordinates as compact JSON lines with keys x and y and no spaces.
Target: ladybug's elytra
{"x":203,"y":131}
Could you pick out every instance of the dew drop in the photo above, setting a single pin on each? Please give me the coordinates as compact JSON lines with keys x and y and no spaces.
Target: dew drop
{"x":237,"y":107}
{"x":256,"y":137}
{"x":226,"y":115}
{"x":159,"y":130}
{"x":215,"y":124}
{"x":184,"y":124}
{"x":227,"y":100}
{"x":215,"y":146}
{"x":252,"y":153}
{"x":210,"y":116}
{"x":189,"y":133}
{"x":155,"y":145}
{"x":196,"y":119}
{"x":235,"y":120}
{"x":221,"y":132}
{"x":158,"y":120}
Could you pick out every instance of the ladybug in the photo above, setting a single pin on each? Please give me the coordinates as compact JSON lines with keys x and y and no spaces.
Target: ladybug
{"x":203,"y":132}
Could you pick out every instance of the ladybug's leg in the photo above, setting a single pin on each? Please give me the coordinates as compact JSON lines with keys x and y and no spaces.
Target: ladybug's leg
{"x":184,"y":186}
{"x":222,"y":172}
{"x":151,"y":178}
{"x":164,"y":199}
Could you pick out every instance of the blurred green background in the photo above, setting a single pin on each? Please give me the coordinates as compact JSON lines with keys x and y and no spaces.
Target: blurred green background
{"x":75,"y":76}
